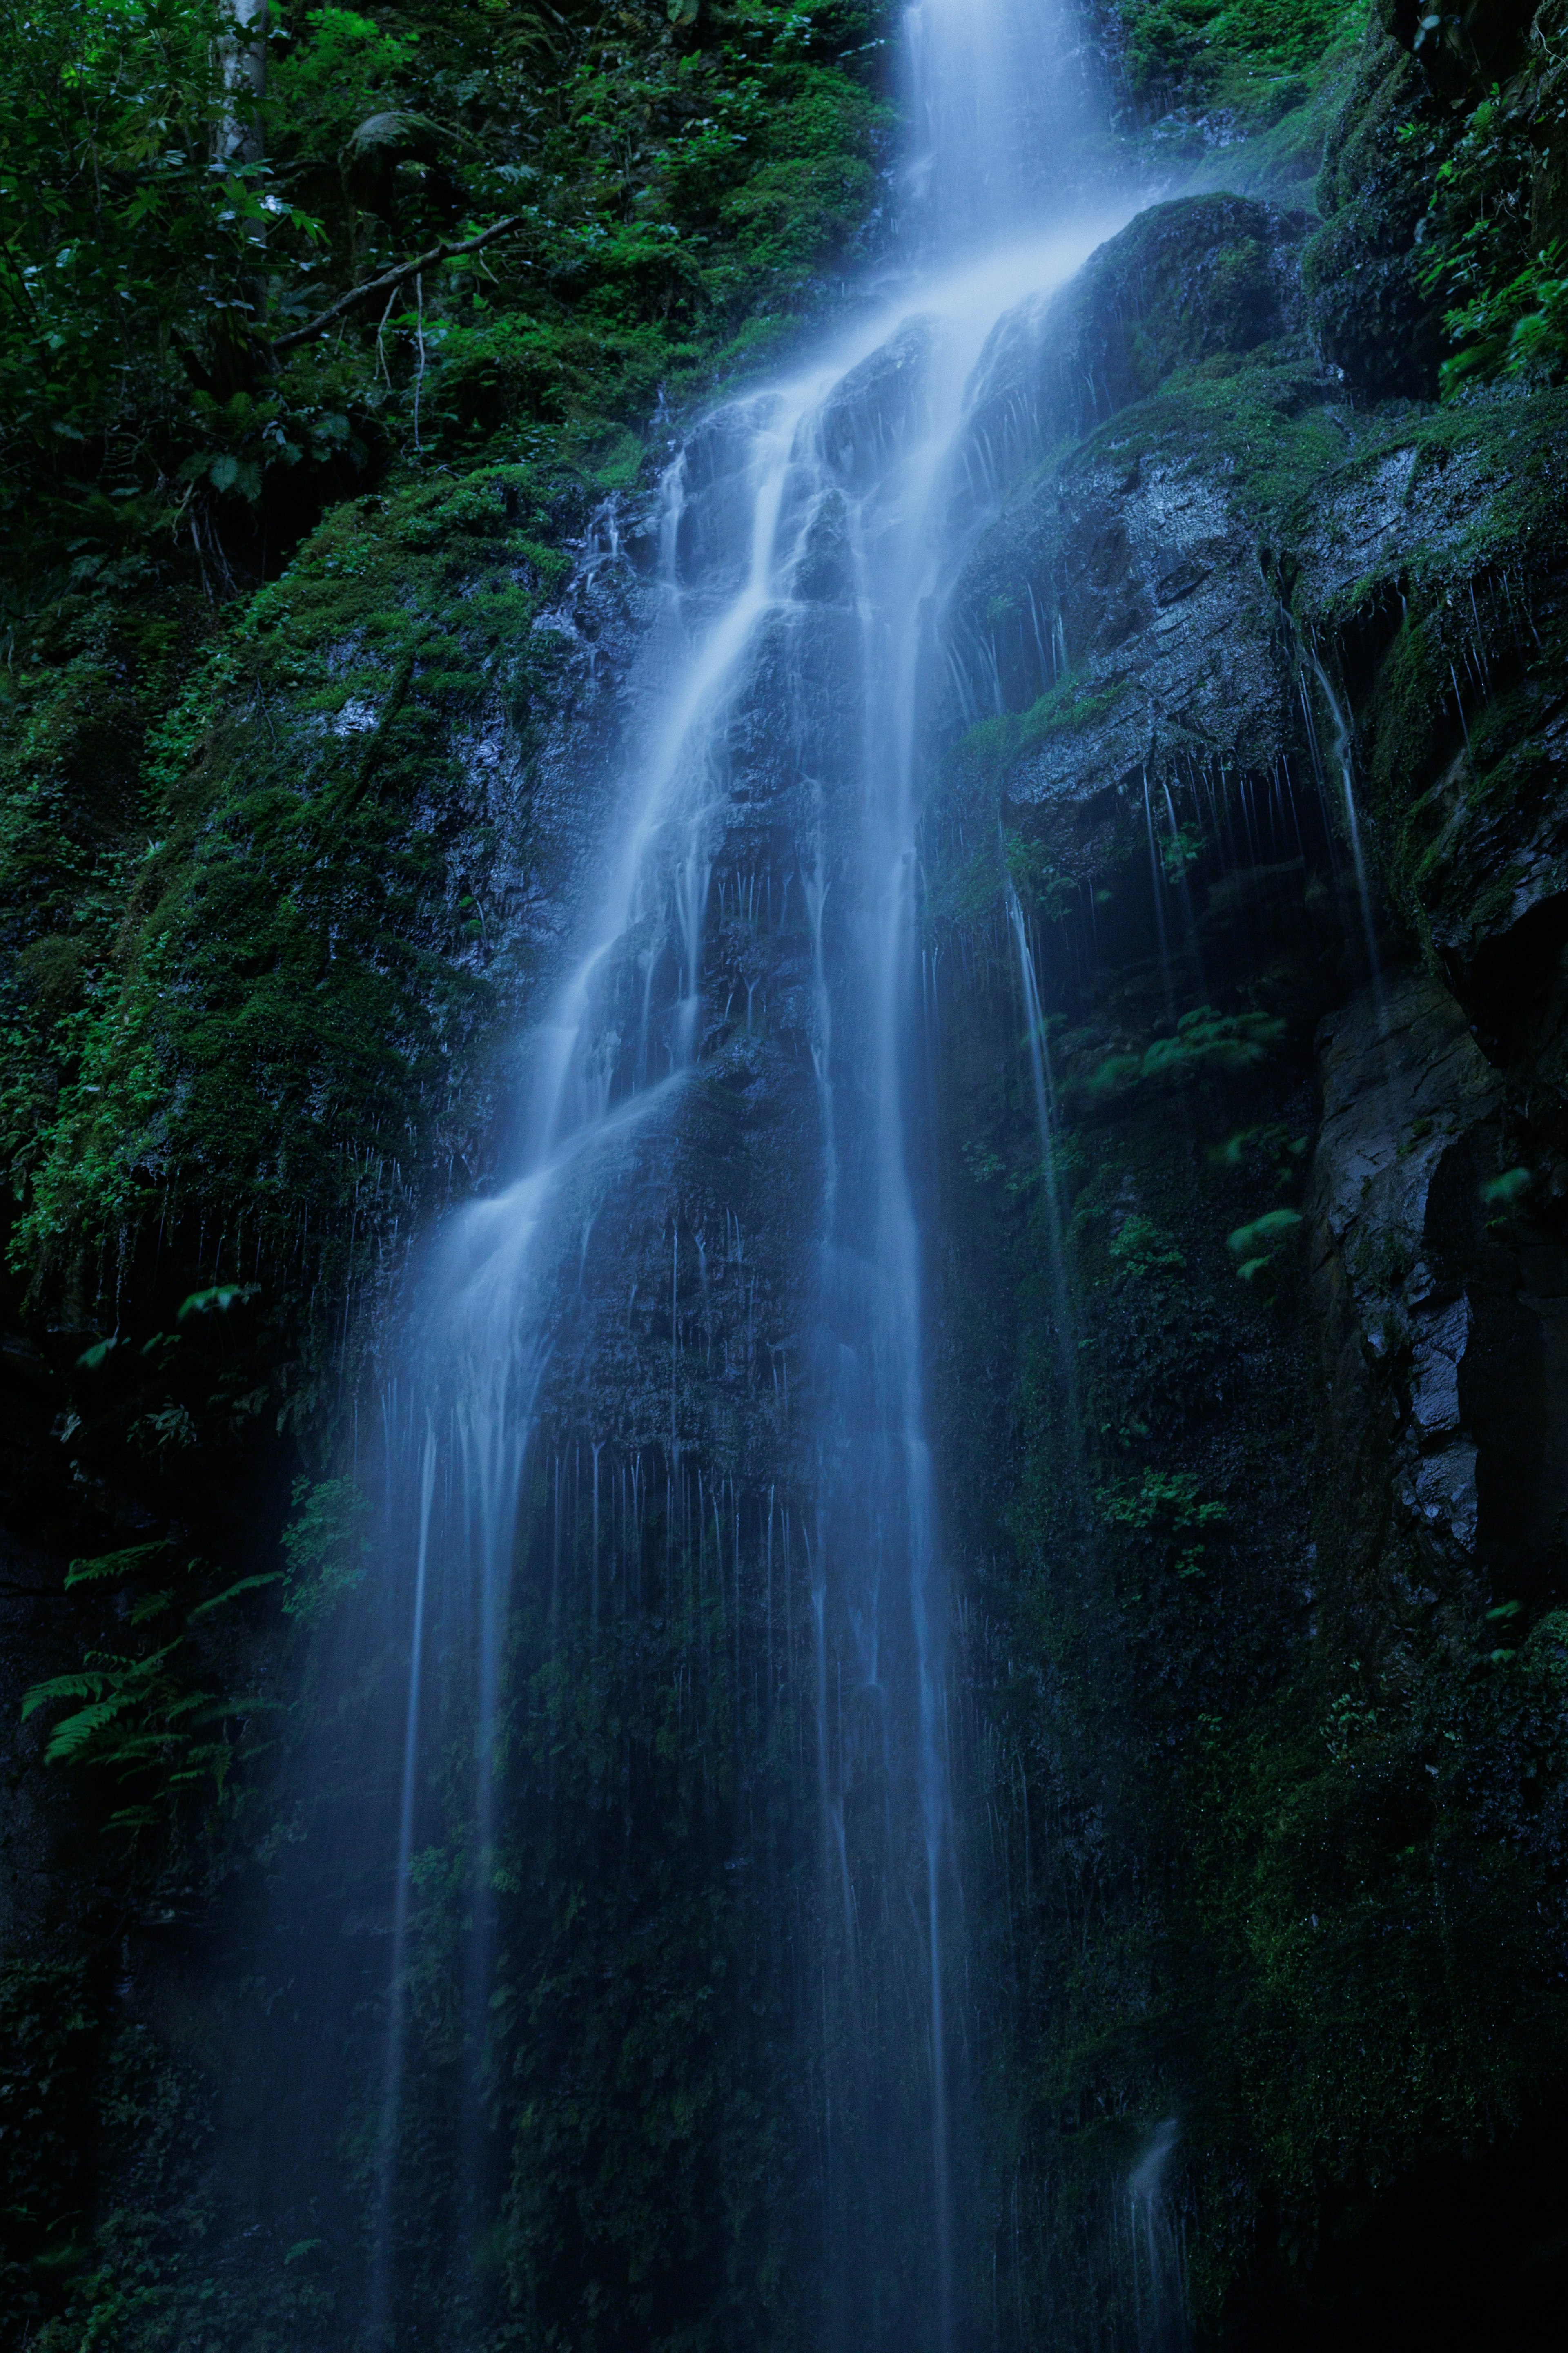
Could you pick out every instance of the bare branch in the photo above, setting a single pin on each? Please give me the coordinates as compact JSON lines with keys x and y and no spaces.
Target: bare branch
{"x":393,"y":279}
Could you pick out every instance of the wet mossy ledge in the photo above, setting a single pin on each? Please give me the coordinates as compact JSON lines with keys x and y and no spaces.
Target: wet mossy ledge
{"x":1253,"y":1412}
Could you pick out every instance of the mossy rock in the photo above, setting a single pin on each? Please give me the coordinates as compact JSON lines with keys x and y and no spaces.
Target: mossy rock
{"x":290,"y":1032}
{"x":1204,"y":279}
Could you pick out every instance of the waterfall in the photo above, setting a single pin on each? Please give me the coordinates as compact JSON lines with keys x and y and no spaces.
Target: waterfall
{"x":753,"y":910}
{"x":1155,"y":2249}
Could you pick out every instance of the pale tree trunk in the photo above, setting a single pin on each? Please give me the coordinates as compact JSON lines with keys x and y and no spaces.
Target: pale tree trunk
{"x":242,"y":61}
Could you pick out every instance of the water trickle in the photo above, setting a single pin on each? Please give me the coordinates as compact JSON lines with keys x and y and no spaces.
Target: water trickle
{"x":1344,"y":754}
{"x":1038,"y":1041}
{"x":1157,"y":886}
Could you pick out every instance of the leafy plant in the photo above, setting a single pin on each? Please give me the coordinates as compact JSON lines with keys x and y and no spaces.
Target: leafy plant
{"x":1181,"y":849}
{"x":1205,"y":1044}
{"x":140,"y":1716}
{"x":1140,"y":1248}
{"x":1167,"y":1508}
{"x":1256,"y":1246}
{"x":1271,"y":1149}
{"x":1517,"y":329}
{"x":325,"y":1546}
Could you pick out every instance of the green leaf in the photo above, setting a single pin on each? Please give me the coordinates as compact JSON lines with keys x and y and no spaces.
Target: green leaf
{"x":73,"y":1732}
{"x":107,"y":1565}
{"x":88,"y":1684}
{"x":1508,"y":1187}
{"x":1263,"y":1233}
{"x":221,"y":1297}
{"x":245,"y":1585}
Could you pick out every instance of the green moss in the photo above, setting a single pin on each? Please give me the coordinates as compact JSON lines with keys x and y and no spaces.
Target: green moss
{"x":999,"y":745}
{"x":290,"y":1026}
{"x":1264,"y":419}
{"x":1260,"y":57}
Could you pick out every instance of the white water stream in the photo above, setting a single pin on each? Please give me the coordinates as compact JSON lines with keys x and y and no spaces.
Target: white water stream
{"x":860,"y":451}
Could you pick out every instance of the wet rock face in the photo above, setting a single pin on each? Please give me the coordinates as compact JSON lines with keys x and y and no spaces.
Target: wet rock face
{"x":1160,"y":614}
{"x":1203,"y":278}
{"x":1370,"y":314}
{"x":1410,"y":1134}
{"x":876,"y":407}
{"x":1118,"y":617}
{"x":1248,"y":571}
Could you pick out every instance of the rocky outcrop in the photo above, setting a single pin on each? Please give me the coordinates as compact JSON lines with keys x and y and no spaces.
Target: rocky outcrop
{"x":1251,"y":688}
{"x":1409,"y":1138}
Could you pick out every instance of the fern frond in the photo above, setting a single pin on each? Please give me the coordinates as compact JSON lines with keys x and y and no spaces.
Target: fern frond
{"x":246,"y":1584}
{"x":74,"y":1733}
{"x":218,"y":1708}
{"x":90,"y":1684}
{"x":132,"y":1818}
{"x":107,"y":1565}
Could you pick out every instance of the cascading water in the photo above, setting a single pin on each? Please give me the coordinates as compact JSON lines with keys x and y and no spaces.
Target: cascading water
{"x":760,"y":883}
{"x":1154,"y":2250}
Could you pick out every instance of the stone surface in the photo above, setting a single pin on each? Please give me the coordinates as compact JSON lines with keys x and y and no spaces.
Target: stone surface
{"x":1407,"y":1094}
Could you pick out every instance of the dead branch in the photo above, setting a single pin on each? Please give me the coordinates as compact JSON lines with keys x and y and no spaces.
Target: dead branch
{"x":393,"y":279}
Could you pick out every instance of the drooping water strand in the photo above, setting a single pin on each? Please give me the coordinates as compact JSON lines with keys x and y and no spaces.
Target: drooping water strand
{"x":1344,"y":762}
{"x":1155,"y":2249}
{"x":397,"y":2029}
{"x":1157,"y":892}
{"x":1038,"y":1046}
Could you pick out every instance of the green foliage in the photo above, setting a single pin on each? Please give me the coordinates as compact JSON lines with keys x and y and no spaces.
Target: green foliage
{"x":1502,"y":1192}
{"x":1518,"y":328}
{"x":140,"y":2276}
{"x":293,"y":1018}
{"x":1479,"y":240}
{"x":658,"y":189}
{"x":50,"y":2059}
{"x":989,"y":751}
{"x":1164,"y":1511}
{"x":1040,"y":884}
{"x":130,"y":265}
{"x":1256,"y":1244}
{"x":247,"y":970}
{"x":1203,"y":1044}
{"x":142,"y":1718}
{"x":1256,"y":55}
{"x":1181,"y":849}
{"x":1270,"y":1149}
{"x":1396,"y":1853}
{"x":325,"y":1546}
{"x":1140,"y":1248}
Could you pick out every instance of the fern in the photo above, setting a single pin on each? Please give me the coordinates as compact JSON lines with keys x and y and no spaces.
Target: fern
{"x":144,"y":1718}
{"x":114,"y":1564}
{"x":76,"y":1733}
{"x":86,"y":1685}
